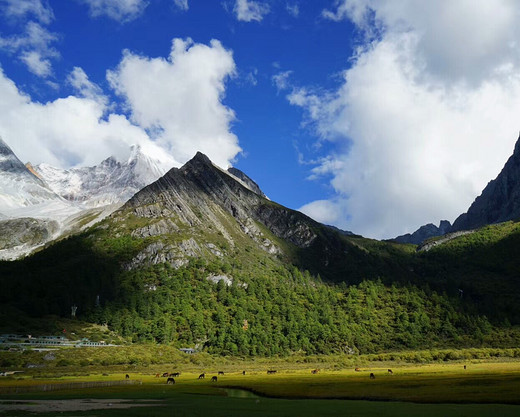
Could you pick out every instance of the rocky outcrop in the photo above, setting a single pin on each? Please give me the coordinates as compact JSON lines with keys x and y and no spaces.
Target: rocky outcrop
{"x":253,"y":186}
{"x":424,"y":232}
{"x":500,"y":200}
{"x":19,"y":237}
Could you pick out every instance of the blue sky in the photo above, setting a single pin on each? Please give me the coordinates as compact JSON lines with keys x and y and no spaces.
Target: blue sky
{"x":376,"y":116}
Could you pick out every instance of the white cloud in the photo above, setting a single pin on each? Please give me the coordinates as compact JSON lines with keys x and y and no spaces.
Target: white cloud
{"x":293,"y":9}
{"x":418,"y":130}
{"x":79,"y":80}
{"x":34,"y":48}
{"x":65,"y":132}
{"x":38,"y":65}
{"x":247,"y":10}
{"x":281,"y":80}
{"x":20,"y":9}
{"x":179,"y":99}
{"x":120,"y":10}
{"x":181,"y":4}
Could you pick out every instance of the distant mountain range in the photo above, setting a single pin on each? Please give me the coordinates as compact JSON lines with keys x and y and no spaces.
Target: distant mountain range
{"x":499,"y":202}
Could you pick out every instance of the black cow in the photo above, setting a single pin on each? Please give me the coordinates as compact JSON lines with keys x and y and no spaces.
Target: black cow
{"x":202,"y":376}
{"x":176,"y":374}
{"x":243,"y":372}
{"x":271,"y":371}
{"x":213,"y":379}
{"x":170,"y":381}
{"x":390,"y":371}
{"x":165,"y":374}
{"x":372,"y":376}
{"x":220,"y":372}
{"x":127,"y":376}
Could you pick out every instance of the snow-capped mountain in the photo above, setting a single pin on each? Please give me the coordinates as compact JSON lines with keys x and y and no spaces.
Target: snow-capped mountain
{"x":110,"y":182}
{"x":19,"y":188}
{"x":41,"y":203}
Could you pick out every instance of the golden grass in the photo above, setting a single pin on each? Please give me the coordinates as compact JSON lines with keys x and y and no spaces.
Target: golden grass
{"x":481,"y":382}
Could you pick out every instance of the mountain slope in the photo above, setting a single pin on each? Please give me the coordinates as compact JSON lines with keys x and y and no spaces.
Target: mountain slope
{"x":198,"y":259}
{"x":500,"y":200}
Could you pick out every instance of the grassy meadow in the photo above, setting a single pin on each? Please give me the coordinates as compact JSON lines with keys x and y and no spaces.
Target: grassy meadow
{"x":484,"y":388}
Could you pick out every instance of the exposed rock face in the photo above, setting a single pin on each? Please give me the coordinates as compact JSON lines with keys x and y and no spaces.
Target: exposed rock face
{"x":424,"y":232}
{"x":253,"y":186}
{"x":500,"y":200}
{"x":19,"y":237}
{"x":201,"y":197}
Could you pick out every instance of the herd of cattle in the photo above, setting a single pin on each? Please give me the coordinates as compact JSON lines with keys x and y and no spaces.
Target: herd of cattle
{"x":170,"y":376}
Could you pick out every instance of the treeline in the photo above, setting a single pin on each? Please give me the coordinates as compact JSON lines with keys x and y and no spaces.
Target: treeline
{"x":282,"y":311}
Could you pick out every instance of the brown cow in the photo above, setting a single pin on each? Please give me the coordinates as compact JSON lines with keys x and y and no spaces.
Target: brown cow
{"x":357,"y":369}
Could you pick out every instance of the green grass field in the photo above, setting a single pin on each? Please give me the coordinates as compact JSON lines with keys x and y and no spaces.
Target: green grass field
{"x":483,"y":389}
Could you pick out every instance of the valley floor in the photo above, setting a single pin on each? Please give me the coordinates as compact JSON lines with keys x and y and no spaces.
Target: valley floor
{"x":484,"y":388}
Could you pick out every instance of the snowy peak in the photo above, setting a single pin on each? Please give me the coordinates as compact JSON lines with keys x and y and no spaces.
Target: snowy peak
{"x":19,"y":187}
{"x":110,"y":182}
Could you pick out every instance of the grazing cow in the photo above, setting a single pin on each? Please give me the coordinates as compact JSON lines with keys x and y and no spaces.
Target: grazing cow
{"x":464,"y":366}
{"x":165,"y":374}
{"x":202,"y":376}
{"x":157,"y":375}
{"x":170,"y":381}
{"x":213,"y":379}
{"x":105,"y":374}
{"x":176,"y":374}
{"x":243,"y":372}
{"x":220,"y":373}
{"x":271,"y":371}
{"x":315,"y":371}
{"x":390,"y":371}
{"x":372,"y":376}
{"x":127,"y":376}
{"x":357,"y":370}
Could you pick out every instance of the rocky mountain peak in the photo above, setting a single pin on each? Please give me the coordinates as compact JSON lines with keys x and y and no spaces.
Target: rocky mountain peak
{"x":500,"y":200}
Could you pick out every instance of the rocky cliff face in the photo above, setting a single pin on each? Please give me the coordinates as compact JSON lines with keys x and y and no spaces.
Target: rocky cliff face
{"x":199,"y":208}
{"x":424,"y":232}
{"x":500,"y":200}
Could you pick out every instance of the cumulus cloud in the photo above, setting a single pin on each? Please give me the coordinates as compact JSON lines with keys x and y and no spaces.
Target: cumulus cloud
{"x":247,"y":10}
{"x":175,"y":105}
{"x":120,"y":10}
{"x":34,"y":47}
{"x":425,"y":116}
{"x":181,"y":4}
{"x":178,"y":99}
{"x":65,"y":132}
